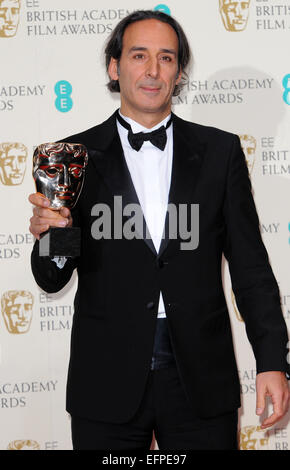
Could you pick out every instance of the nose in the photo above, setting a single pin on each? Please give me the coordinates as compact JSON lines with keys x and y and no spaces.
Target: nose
{"x":239,"y":10}
{"x":15,"y":164}
{"x":152,"y":68}
{"x":8,"y":15}
{"x":21,"y":312}
{"x":64,"y":178}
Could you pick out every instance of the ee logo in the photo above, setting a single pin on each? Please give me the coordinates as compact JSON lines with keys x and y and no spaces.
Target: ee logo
{"x":286,"y":85}
{"x":63,"y":90}
{"x":163,"y":8}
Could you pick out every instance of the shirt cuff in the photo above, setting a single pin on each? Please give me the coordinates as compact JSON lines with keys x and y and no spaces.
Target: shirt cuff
{"x":59,"y":261}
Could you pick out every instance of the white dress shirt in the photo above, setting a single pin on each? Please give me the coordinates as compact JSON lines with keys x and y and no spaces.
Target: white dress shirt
{"x":150,"y":170}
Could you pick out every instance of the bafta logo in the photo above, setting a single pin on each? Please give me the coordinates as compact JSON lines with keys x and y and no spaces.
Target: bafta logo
{"x":249,"y":144}
{"x":13,"y":158}
{"x":235,"y":14}
{"x":253,"y":438}
{"x":16,"y":306}
{"x":23,"y":445}
{"x":9,"y":17}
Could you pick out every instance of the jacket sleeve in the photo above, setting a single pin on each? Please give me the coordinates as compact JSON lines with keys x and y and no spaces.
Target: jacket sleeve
{"x":254,"y":284}
{"x":47,"y":274}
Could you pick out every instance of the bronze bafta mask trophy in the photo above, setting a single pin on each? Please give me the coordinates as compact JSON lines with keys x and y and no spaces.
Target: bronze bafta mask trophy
{"x":58,"y":172}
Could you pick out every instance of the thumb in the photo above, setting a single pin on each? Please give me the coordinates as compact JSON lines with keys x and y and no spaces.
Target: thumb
{"x":260,"y":401}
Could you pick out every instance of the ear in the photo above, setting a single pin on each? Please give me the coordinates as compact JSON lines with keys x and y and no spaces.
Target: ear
{"x":113,"y":69}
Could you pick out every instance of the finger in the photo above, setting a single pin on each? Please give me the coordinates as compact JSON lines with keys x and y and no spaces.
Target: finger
{"x":52,"y":222}
{"x":260,"y":400}
{"x":274,"y":418}
{"x":286,"y":399}
{"x":47,"y":213}
{"x":40,"y":224}
{"x":38,"y":199}
{"x":48,"y":216}
{"x":65,"y":212}
{"x":278,"y":412}
{"x":37,"y":230}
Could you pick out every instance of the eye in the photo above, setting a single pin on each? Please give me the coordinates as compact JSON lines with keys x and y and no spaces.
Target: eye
{"x":166,"y":58}
{"x":51,"y":171}
{"x":14,"y":309}
{"x":231,"y":8}
{"x":75,"y":171}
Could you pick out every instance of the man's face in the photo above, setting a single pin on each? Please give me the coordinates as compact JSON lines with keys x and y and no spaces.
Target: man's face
{"x":13,"y":166}
{"x":148,"y":68}
{"x":18,"y":313}
{"x":59,"y":175}
{"x":9,"y":17}
{"x":234,"y":14}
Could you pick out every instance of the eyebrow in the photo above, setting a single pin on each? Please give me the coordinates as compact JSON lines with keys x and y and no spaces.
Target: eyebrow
{"x":141,"y":48}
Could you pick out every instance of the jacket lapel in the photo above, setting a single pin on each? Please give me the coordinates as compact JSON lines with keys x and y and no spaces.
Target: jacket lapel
{"x":110,"y":162}
{"x":107,"y":155}
{"x":188,"y":154}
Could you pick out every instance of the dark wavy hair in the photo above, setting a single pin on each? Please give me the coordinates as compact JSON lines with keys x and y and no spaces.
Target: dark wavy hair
{"x":114,"y":44}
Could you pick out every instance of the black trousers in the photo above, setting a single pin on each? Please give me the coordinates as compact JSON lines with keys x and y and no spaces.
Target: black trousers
{"x":166,"y":411}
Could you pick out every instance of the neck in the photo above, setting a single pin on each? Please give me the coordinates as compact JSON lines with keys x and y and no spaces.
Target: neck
{"x":147,"y":120}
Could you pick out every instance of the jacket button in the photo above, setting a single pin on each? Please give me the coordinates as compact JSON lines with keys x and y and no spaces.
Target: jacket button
{"x":150,"y":305}
{"x":160,"y":263}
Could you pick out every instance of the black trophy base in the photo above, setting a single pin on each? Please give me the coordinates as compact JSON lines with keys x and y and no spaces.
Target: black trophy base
{"x":60,"y":242}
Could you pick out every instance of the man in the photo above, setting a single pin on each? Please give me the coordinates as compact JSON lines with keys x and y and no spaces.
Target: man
{"x":151,"y":317}
{"x":13,"y":158}
{"x":9,"y":17}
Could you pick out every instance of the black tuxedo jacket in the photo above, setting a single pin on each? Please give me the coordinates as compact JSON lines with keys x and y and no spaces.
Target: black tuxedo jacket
{"x":119,"y":280}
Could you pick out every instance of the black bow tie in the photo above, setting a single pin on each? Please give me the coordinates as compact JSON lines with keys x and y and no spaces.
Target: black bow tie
{"x":157,"y":137}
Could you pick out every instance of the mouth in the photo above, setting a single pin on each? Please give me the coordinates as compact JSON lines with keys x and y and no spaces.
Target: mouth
{"x":239,"y":21}
{"x":64,"y":195}
{"x":150,"y":90}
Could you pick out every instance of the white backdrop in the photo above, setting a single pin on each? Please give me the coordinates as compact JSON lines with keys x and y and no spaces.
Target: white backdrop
{"x":238,"y":83}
